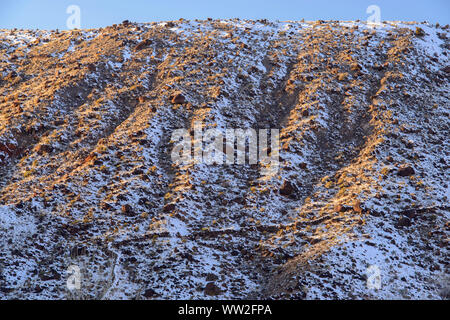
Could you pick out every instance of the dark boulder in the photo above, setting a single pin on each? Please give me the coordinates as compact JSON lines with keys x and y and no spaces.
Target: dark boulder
{"x":405,"y":171}
{"x":212,"y":290}
{"x":403,"y":222}
{"x":287,"y":189}
{"x":178,"y":99}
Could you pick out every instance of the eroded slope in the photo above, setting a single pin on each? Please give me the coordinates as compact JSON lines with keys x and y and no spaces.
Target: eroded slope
{"x":87,"y":179}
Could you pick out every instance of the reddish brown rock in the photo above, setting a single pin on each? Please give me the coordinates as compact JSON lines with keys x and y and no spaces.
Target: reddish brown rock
{"x":169,"y":207}
{"x":127,"y":210}
{"x":357,"y":206}
{"x":44,"y":148}
{"x":143,"y":44}
{"x":341,"y":208}
{"x":287,"y":188}
{"x":178,"y":99}
{"x":405,"y":171}
{"x":8,"y":148}
{"x":91,"y":67}
{"x":212,"y":290}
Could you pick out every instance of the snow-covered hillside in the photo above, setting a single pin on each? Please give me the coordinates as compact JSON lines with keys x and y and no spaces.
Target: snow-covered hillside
{"x":86,"y":176}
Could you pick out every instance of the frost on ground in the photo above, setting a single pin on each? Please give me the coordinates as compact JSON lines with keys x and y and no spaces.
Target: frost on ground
{"x":86,"y":177}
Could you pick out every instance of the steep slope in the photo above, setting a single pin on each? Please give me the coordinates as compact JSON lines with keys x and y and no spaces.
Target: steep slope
{"x":86,"y":177}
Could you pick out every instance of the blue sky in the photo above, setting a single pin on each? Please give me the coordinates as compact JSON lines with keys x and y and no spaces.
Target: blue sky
{"x":51,"y":14}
